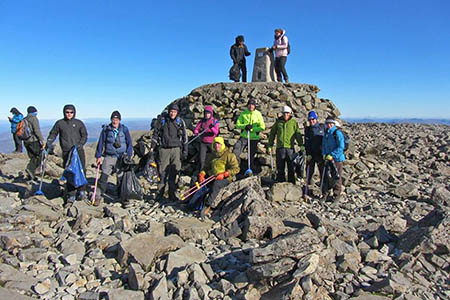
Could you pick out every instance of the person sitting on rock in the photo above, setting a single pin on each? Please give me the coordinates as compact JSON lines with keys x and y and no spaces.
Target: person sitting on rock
{"x":287,"y":131}
{"x":114,"y":141}
{"x":224,"y":165}
{"x":169,"y":137}
{"x":208,"y":127}
{"x":14,"y":120}
{"x":72,"y":133}
{"x":249,"y":121}
{"x":313,"y":145}
{"x":333,"y":145}
{"x":238,"y":52}
{"x":35,"y":144}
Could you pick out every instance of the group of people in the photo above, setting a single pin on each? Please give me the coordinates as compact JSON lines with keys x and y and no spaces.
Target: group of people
{"x":170,"y":142}
{"x":239,"y":51}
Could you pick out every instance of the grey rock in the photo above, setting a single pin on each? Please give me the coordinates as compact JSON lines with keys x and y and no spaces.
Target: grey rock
{"x":306,"y":265}
{"x":189,"y":228}
{"x":272,"y":269}
{"x":71,"y":246}
{"x":11,"y":294}
{"x":120,"y":294}
{"x":159,"y":291}
{"x":182,"y":257}
{"x":256,"y":227}
{"x":440,"y":197}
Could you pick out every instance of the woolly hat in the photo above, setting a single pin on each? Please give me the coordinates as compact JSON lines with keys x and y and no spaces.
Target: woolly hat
{"x":286,"y":109}
{"x":174,"y":106}
{"x":251,"y":101}
{"x":116,"y":114}
{"x":330,"y":119}
{"x":312,"y":115}
{"x":31,"y":109}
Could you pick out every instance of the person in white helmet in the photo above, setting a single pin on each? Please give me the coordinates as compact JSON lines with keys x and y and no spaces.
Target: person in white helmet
{"x":287,"y":132}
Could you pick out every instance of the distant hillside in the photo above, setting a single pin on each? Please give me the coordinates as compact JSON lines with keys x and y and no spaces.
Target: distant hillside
{"x":93,"y":126}
{"x":398,"y":120}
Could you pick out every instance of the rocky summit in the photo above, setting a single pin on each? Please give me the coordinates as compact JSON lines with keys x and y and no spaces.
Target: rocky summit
{"x":387,"y":238}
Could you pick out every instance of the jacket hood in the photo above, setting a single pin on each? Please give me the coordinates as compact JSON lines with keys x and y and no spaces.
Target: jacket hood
{"x":238,"y":39}
{"x":281,"y":35}
{"x":219,"y":140}
{"x":72,"y":107}
{"x":15,"y":111}
{"x":210,"y":109}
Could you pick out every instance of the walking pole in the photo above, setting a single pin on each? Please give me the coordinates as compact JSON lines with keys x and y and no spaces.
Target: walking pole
{"x":307,"y":182}
{"x":43,"y":158}
{"x":95,"y":185}
{"x":323,"y":177}
{"x":201,"y":133}
{"x":271,"y":165}
{"x":197,"y":187}
{"x":249,"y":171}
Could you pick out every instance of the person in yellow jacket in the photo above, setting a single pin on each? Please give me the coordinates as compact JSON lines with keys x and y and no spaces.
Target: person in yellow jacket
{"x":223,"y":164}
{"x":287,"y":132}
{"x":249,"y":121}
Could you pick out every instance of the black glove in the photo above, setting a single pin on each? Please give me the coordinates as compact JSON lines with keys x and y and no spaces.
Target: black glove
{"x":248,"y":127}
{"x":211,"y":126}
{"x":153,"y":145}
{"x":184,"y":155}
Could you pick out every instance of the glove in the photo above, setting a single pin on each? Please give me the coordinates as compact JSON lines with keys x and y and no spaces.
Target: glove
{"x":184,"y":155}
{"x":211,"y":126}
{"x":201,"y":177}
{"x":222,"y":176}
{"x":269,"y":150}
{"x":308,"y":158}
{"x":153,"y":145}
{"x":328,"y":157}
{"x":249,"y":127}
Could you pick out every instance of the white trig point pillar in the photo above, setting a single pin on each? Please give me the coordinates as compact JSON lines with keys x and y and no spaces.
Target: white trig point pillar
{"x":263,"y":68}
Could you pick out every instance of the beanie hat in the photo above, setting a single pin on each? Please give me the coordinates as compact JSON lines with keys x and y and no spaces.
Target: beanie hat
{"x":286,"y":109}
{"x":330,"y":119}
{"x":116,"y":114}
{"x":31,"y":109}
{"x":312,"y":115}
{"x":251,"y":101}
{"x":174,"y":106}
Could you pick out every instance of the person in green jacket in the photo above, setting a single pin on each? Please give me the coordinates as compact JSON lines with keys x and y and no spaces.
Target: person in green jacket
{"x":287,"y":131}
{"x":249,"y":121}
{"x":223,"y":164}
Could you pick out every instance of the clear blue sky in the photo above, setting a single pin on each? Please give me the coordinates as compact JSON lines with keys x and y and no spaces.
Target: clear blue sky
{"x":372,"y":58}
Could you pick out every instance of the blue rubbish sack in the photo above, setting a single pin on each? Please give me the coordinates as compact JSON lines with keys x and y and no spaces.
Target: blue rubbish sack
{"x":196,"y":202}
{"x":74,"y":174}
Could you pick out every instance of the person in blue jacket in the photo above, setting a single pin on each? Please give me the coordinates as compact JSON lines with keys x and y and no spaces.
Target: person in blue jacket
{"x":114,"y":141}
{"x":14,"y":120}
{"x":333,"y":144}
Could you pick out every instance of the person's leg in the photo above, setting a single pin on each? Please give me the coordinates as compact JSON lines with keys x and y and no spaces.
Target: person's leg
{"x":244,"y":71}
{"x":311,"y":165}
{"x":320,"y":165}
{"x":253,"y":148}
{"x":108,"y":165}
{"x":215,"y":187}
{"x":70,"y":189}
{"x":278,"y":69}
{"x":338,"y":186}
{"x":203,"y":151}
{"x":290,"y":165}
{"x":174,"y":169}
{"x":33,"y":152}
{"x":279,"y":157}
{"x":239,"y":147}
{"x":164,"y":156}
{"x":17,"y":143}
{"x":282,"y":68}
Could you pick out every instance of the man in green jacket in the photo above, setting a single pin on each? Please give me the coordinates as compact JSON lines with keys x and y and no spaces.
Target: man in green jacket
{"x":223,"y":164}
{"x":287,"y":131}
{"x":249,"y":121}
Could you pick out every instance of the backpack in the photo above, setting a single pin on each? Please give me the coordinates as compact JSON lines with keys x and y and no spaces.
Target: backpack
{"x":346,"y":139}
{"x":289,"y":48}
{"x":23,"y":130}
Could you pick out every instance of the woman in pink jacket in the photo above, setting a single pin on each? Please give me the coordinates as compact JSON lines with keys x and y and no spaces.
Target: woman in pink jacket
{"x":208,"y":127}
{"x":280,"y":45}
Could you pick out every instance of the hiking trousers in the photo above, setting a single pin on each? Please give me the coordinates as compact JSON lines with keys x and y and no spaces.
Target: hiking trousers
{"x":17,"y":143}
{"x":34,"y":153}
{"x":204,"y":149}
{"x":243,"y":68}
{"x":315,"y":160}
{"x":240,"y":146}
{"x":169,"y":166}
{"x":283,"y":158}
{"x":109,"y":167}
{"x":280,"y":69}
{"x":215,"y":188}
{"x":338,"y":187}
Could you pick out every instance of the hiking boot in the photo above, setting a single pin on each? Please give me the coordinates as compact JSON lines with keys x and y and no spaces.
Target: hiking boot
{"x":204,"y":214}
{"x":337,"y":198}
{"x":71,"y":199}
{"x":98,"y":200}
{"x":286,"y":81}
{"x":82,"y":195}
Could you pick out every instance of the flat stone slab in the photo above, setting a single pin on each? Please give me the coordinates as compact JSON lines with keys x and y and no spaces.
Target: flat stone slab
{"x":189,"y":228}
{"x":42,"y":212}
{"x":12,"y":295}
{"x":145,"y":248}
{"x":184,"y":257}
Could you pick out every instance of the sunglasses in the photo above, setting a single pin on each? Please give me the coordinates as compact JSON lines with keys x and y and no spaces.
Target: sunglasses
{"x":69,"y":112}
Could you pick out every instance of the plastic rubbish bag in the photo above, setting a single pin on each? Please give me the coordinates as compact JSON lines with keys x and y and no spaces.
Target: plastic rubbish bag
{"x":74,"y":173}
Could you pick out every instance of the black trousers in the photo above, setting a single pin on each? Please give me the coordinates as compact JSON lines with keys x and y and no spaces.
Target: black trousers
{"x":204,"y":149}
{"x":283,"y":158}
{"x":215,"y":187}
{"x":316,"y":160}
{"x":34,"y":153}
{"x":243,"y":68}
{"x":17,"y":143}
{"x":71,"y":190}
{"x":280,"y":63}
{"x":240,"y":146}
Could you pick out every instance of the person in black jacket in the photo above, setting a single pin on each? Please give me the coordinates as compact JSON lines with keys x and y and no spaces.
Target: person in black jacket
{"x":169,"y":137}
{"x":238,"y":52}
{"x":313,"y":145}
{"x":72,"y":132}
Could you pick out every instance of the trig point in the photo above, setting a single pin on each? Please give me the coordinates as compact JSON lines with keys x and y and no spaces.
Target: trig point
{"x":263,"y":68}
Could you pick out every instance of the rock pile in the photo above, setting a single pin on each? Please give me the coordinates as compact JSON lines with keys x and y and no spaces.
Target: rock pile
{"x":388,"y":237}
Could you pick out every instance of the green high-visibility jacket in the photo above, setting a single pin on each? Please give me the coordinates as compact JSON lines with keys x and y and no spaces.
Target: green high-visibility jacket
{"x":254,"y":118}
{"x":286,"y":132}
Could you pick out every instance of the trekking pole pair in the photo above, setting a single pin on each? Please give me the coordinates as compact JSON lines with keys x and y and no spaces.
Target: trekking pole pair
{"x":197,"y":187}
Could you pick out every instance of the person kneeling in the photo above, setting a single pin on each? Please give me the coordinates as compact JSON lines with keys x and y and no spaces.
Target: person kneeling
{"x":223,"y":164}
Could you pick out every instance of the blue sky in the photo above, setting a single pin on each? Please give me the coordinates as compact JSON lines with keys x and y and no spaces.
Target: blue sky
{"x":371,"y":58}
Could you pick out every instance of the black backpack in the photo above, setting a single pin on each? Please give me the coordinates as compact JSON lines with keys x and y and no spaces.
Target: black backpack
{"x":347,"y":139}
{"x":289,"y":48}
